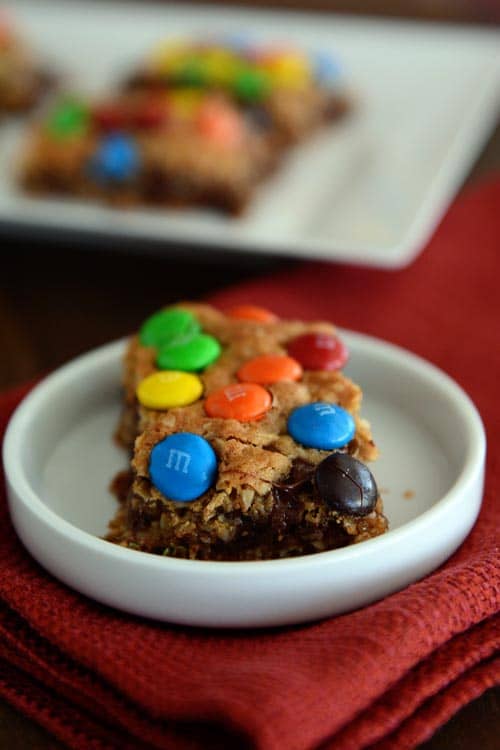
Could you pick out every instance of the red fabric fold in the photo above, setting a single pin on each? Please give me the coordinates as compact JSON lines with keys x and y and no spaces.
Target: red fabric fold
{"x":383,"y":677}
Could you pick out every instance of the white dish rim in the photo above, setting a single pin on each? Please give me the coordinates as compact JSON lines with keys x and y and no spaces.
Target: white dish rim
{"x":22,"y":416}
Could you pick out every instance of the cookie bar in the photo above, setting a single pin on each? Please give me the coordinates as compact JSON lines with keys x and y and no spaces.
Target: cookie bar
{"x":154,"y":148}
{"x":246,"y":439}
{"x":22,"y":80}
{"x":285,"y":91}
{"x":198,"y":125}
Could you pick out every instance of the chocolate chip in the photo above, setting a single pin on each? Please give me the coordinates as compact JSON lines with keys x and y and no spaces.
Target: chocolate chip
{"x":346,"y":485}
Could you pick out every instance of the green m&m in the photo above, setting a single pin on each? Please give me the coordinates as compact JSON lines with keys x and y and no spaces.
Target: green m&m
{"x":166,"y":325}
{"x":189,"y":353}
{"x":69,"y":118}
{"x":191,"y":73}
{"x":251,"y":85}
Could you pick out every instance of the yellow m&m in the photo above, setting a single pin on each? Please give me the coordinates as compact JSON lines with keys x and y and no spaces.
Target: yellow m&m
{"x":185,"y":102}
{"x":168,"y":55}
{"x":220,"y":66}
{"x":288,"y":70}
{"x":169,"y":388}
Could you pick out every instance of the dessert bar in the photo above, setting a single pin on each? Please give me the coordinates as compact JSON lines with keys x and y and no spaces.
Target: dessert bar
{"x":282,"y":89}
{"x":199,"y":125}
{"x":183,"y":148}
{"x":22,"y":79}
{"x":246,"y":439}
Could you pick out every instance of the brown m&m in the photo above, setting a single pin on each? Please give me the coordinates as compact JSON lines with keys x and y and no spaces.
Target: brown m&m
{"x":346,"y":485}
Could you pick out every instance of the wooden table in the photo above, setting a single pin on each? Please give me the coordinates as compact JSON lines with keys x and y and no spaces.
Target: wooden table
{"x":58,"y":300}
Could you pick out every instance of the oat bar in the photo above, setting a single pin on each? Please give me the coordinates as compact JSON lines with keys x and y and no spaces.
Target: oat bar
{"x":22,"y":79}
{"x":202,"y":125}
{"x":264,"y":458}
{"x":139,"y":148}
{"x":283,"y":90}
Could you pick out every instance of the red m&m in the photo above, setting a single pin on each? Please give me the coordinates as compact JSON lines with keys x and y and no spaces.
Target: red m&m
{"x":110,"y":116}
{"x":319,"y":351}
{"x":150,"y":114}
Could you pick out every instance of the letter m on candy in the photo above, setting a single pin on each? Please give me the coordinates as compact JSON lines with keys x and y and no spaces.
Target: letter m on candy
{"x":178,"y":460}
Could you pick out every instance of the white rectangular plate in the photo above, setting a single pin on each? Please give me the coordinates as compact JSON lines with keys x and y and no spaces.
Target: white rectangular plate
{"x":370,"y":190}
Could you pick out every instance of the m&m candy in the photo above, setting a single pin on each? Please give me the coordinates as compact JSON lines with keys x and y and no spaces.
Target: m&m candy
{"x":150,"y":114}
{"x":183,"y":466}
{"x":167,"y":389}
{"x":169,"y":54}
{"x":242,"y":401}
{"x":326,"y":68}
{"x":252,"y":312}
{"x":251,"y":85}
{"x":240,"y":41}
{"x":110,"y":117}
{"x":191,"y":73}
{"x":184,"y":103}
{"x":116,"y":159}
{"x":288,"y":69}
{"x":220,"y":67}
{"x":321,"y":425}
{"x":319,"y":351}
{"x":270,"y":368}
{"x":346,"y":485}
{"x":189,"y":353}
{"x":69,"y":118}
{"x":167,"y":324}
{"x":220,"y":124}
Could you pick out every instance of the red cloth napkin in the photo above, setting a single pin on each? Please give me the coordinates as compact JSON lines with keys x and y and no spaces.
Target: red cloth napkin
{"x":385,"y":676}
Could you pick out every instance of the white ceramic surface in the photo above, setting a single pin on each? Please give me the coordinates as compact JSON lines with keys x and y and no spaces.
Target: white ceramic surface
{"x":369,"y":191}
{"x":59,"y":458}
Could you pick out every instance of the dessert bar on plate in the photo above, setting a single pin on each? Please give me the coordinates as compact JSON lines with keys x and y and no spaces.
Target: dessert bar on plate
{"x":22,"y":79}
{"x":246,"y":439}
{"x":183,"y":148}
{"x":197,"y":124}
{"x":280,"y":89}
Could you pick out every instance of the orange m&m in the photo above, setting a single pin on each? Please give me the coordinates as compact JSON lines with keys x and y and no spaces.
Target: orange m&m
{"x":242,"y":401}
{"x":270,"y":368}
{"x":220,"y":124}
{"x":252,"y":312}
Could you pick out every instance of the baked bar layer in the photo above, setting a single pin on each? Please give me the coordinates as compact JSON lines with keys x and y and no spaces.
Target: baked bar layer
{"x":284,"y":89}
{"x":264,"y":503}
{"x":22,"y":79}
{"x":203,"y":131}
{"x":174,"y":163}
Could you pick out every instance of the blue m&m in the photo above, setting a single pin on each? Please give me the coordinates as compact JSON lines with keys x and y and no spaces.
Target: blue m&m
{"x":116,"y":159}
{"x":321,"y":425}
{"x":326,"y":68}
{"x":183,"y":466}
